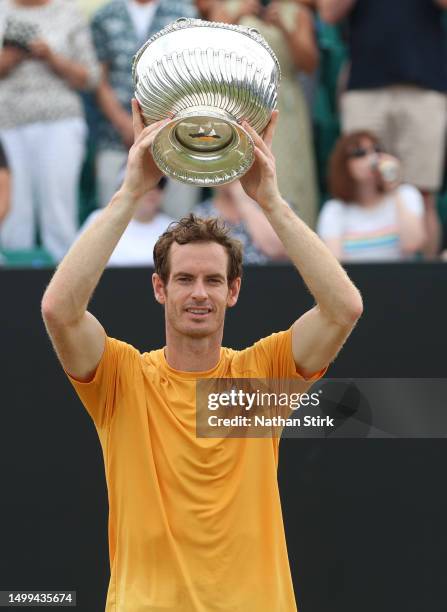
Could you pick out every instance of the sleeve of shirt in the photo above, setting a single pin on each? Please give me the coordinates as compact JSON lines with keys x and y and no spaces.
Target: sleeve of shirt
{"x":272,"y":357}
{"x":330,"y":221}
{"x":82,"y":49}
{"x":100,"y":395}
{"x":412,"y":199}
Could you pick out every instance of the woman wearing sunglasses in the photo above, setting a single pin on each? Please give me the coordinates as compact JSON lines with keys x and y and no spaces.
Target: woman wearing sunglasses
{"x":373,"y":217}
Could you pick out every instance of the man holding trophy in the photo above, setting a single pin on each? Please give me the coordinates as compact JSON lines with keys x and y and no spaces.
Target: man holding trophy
{"x":195,"y":524}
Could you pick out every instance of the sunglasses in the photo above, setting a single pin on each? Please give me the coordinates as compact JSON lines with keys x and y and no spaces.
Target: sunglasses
{"x":362,"y":152}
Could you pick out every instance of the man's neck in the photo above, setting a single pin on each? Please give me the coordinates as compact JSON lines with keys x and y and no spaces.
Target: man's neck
{"x":192,"y":354}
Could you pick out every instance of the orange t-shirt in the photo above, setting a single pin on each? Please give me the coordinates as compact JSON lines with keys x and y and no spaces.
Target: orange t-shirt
{"x":195,"y":524}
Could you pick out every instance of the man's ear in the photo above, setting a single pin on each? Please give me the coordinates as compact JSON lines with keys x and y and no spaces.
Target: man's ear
{"x":233,"y":292}
{"x":159,"y":288}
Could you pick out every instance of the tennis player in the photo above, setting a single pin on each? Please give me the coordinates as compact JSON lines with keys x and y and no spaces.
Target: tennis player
{"x":195,"y":524}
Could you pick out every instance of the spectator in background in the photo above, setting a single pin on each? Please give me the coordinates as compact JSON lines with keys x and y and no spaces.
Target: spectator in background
{"x":246,"y":222}
{"x":371,"y":219}
{"x":2,"y":20}
{"x":136,"y":245}
{"x":5,"y":185}
{"x":397,"y":86}
{"x":120,"y":28}
{"x":309,"y":81}
{"x":288,"y":27}
{"x":47,"y":55}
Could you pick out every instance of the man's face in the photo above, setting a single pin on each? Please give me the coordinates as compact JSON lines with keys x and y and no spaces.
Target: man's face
{"x":197,"y":294}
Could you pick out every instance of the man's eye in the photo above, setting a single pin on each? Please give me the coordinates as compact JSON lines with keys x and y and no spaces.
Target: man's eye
{"x":184,"y":279}
{"x":214,"y":281}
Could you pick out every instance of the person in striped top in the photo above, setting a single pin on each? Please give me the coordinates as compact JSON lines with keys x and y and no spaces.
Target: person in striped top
{"x":372,"y":216}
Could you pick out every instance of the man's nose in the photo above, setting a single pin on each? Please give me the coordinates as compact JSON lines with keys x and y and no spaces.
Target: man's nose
{"x":199,"y":291}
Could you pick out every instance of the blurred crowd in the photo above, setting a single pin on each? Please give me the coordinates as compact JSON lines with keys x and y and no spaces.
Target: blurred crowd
{"x":369,"y":177}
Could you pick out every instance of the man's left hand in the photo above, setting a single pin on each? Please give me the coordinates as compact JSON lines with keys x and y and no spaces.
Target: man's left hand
{"x":260,"y":182}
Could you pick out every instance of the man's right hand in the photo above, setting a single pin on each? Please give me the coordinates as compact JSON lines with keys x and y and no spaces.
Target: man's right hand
{"x":142,"y":173}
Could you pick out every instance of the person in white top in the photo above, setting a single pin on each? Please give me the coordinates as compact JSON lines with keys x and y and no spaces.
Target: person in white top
{"x":142,"y":14}
{"x":372,"y":216}
{"x":46,"y":59}
{"x":120,"y":28}
{"x":136,"y":245}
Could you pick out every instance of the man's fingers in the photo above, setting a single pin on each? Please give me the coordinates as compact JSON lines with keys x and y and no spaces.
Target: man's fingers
{"x":266,"y":141}
{"x":256,"y":138}
{"x":137,"y":119}
{"x":153,"y":128}
{"x":149,"y":133}
{"x":262,"y":158}
{"x":139,"y":128}
{"x":270,"y":129}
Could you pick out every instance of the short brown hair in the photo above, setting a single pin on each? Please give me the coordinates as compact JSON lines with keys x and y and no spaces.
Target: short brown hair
{"x":341,"y":183}
{"x":196,"y":229}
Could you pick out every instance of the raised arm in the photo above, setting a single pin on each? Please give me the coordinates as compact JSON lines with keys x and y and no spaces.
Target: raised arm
{"x":78,"y":338}
{"x":319,"y":334}
{"x":333,"y":11}
{"x":260,"y":230}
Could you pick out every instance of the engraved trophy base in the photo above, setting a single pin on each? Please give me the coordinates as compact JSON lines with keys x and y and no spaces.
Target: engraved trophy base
{"x":203,"y":146}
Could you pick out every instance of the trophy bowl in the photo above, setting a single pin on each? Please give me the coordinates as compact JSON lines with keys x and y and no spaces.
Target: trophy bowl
{"x":206,"y":77}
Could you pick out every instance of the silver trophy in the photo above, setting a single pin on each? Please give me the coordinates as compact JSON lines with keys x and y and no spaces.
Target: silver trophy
{"x":206,"y":77}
